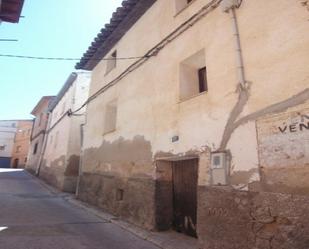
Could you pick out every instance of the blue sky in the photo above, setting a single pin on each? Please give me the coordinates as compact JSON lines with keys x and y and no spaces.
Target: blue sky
{"x":51,"y":28}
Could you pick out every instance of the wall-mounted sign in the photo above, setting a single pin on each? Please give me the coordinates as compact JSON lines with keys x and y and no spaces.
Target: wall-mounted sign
{"x":283,"y":139}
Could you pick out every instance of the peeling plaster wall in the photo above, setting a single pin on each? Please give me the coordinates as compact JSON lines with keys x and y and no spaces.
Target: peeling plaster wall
{"x":38,"y":134}
{"x":284,"y":150}
{"x":60,"y":166}
{"x":274,"y":41}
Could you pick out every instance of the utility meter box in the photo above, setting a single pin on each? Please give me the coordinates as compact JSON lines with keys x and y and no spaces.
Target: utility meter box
{"x":219,"y":168}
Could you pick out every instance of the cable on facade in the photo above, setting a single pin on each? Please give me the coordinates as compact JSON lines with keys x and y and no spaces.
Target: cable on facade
{"x":66,"y":58}
{"x":156,"y":49}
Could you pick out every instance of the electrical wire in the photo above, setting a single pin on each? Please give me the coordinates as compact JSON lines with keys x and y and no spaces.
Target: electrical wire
{"x":156,"y":49}
{"x":66,"y":58}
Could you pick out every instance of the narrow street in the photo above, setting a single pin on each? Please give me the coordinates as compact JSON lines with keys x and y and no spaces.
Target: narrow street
{"x":32,"y":217}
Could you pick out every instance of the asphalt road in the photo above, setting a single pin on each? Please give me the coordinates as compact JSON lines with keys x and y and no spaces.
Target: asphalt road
{"x":32,"y":217}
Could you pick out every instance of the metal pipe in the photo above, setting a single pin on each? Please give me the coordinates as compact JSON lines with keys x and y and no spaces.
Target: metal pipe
{"x":80,"y":166}
{"x":239,"y":58}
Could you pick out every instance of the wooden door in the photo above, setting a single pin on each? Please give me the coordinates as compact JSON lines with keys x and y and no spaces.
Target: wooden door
{"x":185,"y":196}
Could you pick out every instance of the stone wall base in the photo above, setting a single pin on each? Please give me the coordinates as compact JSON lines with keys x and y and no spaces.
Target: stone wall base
{"x":56,"y":177}
{"x":131,"y":199}
{"x":229,"y":219}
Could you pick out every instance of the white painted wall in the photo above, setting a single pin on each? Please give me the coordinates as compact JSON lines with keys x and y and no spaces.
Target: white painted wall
{"x":7,"y":136}
{"x":275,"y":43}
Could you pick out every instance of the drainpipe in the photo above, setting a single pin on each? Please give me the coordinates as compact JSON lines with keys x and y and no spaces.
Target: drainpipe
{"x":81,"y":156}
{"x":44,"y":145}
{"x":230,"y":6}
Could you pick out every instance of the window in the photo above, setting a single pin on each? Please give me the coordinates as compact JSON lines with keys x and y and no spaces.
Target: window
{"x":181,"y":4}
{"x":119,"y":194}
{"x":202,"y":78}
{"x":25,"y":159}
{"x":110,"y":118}
{"x":193,"y":76}
{"x":35,"y":149}
{"x":111,"y":62}
{"x":2,"y":147}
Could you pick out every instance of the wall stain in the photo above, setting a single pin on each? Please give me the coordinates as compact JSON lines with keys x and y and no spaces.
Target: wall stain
{"x":72,"y":166}
{"x":232,"y":124}
{"x":131,"y":157}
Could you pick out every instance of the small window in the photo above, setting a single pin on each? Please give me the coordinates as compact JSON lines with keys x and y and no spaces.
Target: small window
{"x":110,"y":118}
{"x":35,"y":149}
{"x":119,"y":194}
{"x":2,"y":147}
{"x":202,"y":78}
{"x":111,"y":62}
{"x":193,"y":76}
{"x":25,"y":159}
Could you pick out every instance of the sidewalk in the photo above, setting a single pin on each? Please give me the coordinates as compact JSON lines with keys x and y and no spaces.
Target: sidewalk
{"x":164,"y":240}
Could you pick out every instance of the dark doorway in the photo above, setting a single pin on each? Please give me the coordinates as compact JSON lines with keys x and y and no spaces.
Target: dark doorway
{"x":15,"y":164}
{"x":185,"y":174}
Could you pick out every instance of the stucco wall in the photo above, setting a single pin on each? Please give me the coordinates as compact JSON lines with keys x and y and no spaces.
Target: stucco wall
{"x":38,"y":133}
{"x":61,"y":156}
{"x":21,"y":144}
{"x":7,"y":136}
{"x":274,"y":42}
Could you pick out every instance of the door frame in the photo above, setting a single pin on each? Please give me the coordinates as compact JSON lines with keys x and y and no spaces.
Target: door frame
{"x":164,"y":210}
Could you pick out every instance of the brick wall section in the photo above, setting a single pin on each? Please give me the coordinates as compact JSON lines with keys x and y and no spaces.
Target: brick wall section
{"x":252,"y":220}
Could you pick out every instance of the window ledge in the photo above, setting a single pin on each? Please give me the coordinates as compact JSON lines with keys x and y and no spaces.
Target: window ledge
{"x":191,"y":97}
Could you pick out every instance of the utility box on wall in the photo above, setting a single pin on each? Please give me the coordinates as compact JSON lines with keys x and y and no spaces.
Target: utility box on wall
{"x":219,"y":168}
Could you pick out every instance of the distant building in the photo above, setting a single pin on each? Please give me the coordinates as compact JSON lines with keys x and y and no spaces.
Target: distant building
{"x":21,"y":143}
{"x":40,"y":112}
{"x":7,"y":135}
{"x":10,"y":10}
{"x":60,"y":164}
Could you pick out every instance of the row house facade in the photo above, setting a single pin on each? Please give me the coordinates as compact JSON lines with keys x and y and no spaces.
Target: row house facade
{"x":59,"y":164}
{"x":8,"y":130}
{"x":21,"y":144}
{"x":14,"y":142}
{"x":40,"y":112}
{"x":197,"y":120}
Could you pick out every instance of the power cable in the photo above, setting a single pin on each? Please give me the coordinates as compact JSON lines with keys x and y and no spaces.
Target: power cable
{"x":66,"y":58}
